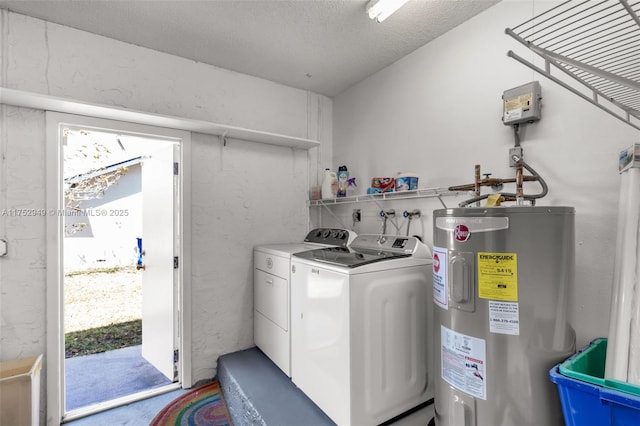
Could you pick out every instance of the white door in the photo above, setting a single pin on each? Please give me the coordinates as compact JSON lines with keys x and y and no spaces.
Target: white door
{"x":159,"y":247}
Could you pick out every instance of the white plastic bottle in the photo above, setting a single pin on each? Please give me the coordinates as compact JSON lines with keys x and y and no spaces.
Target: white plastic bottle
{"x":329,"y":184}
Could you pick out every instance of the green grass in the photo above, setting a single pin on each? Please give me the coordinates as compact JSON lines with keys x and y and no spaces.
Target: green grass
{"x":102,"y":339}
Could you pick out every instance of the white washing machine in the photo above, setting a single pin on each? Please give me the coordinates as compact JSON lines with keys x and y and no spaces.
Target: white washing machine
{"x":271,"y":291}
{"x":361,"y":328}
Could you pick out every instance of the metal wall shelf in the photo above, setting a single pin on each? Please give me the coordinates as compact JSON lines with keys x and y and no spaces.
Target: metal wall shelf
{"x":597,"y":43}
{"x":387,"y":196}
{"x":25,"y":99}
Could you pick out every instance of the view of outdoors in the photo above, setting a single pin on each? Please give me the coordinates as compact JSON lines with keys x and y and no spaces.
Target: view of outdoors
{"x":102,"y":288}
{"x":103,"y":310}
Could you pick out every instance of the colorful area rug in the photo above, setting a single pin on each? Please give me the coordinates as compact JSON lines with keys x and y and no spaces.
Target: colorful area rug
{"x":201,"y":406}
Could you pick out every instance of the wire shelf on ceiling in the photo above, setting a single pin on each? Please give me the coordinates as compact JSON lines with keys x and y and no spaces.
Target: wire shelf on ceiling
{"x":597,"y":43}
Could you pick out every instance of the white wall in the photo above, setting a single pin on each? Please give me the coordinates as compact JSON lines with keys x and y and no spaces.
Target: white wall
{"x":247,"y":194}
{"x":437,"y":112}
{"x":243,"y":194}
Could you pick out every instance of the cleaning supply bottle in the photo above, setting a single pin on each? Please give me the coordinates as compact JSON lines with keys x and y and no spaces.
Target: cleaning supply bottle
{"x":343,"y":181}
{"x":351,"y":187}
{"x":329,"y":184}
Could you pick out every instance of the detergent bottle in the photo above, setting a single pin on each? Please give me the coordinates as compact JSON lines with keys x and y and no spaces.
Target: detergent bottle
{"x":343,"y":181}
{"x":329,"y":184}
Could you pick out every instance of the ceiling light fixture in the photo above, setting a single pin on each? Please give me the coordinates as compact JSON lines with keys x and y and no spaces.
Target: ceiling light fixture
{"x":380,"y":10}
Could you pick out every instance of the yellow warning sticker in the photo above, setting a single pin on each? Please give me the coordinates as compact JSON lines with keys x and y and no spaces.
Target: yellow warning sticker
{"x":498,"y":276}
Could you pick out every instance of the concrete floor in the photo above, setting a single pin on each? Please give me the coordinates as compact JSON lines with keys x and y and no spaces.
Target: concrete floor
{"x":136,"y":414}
{"x":91,"y":379}
{"x":256,"y":392}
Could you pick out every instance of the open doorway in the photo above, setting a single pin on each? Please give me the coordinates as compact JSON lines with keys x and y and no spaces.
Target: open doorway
{"x":110,"y":180}
{"x":120,"y":284}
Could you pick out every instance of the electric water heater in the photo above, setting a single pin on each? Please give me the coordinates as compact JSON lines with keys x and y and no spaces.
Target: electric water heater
{"x":500,"y":282}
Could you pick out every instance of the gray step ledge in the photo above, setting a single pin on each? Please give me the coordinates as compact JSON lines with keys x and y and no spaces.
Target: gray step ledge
{"x":257,"y":392}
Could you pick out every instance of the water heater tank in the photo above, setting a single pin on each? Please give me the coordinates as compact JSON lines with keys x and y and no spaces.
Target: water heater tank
{"x":500,"y":282}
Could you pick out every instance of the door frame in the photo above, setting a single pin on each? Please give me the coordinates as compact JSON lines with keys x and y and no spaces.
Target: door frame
{"x":54,"y":252}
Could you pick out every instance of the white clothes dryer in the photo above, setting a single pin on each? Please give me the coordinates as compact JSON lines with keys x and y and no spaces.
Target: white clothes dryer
{"x":361,"y":328}
{"x":271,"y":291}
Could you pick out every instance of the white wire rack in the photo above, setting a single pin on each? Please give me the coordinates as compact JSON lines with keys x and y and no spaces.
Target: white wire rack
{"x":379,"y":198}
{"x":597,"y":43}
{"x":387,"y":196}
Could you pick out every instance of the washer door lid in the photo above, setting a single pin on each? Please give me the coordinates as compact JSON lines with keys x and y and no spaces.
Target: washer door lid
{"x":349,"y":258}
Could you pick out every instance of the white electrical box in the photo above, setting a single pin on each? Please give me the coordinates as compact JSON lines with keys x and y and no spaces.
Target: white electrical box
{"x":522,"y":104}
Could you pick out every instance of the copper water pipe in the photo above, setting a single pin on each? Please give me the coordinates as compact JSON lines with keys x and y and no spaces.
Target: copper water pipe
{"x":477,"y":181}
{"x":490,"y":182}
{"x":519,"y":180}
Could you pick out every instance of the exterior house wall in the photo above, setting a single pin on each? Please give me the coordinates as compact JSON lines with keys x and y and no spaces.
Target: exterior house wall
{"x":107,"y":240}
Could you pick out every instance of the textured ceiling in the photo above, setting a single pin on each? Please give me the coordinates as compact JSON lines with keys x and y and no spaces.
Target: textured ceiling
{"x":324,"y":46}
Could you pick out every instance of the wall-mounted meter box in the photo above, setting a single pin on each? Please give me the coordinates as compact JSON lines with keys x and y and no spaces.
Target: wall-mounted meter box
{"x":522,"y":104}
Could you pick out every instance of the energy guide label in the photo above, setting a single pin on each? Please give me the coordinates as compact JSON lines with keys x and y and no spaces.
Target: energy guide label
{"x":440,"y":262}
{"x":498,"y":276}
{"x":464,"y":362}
